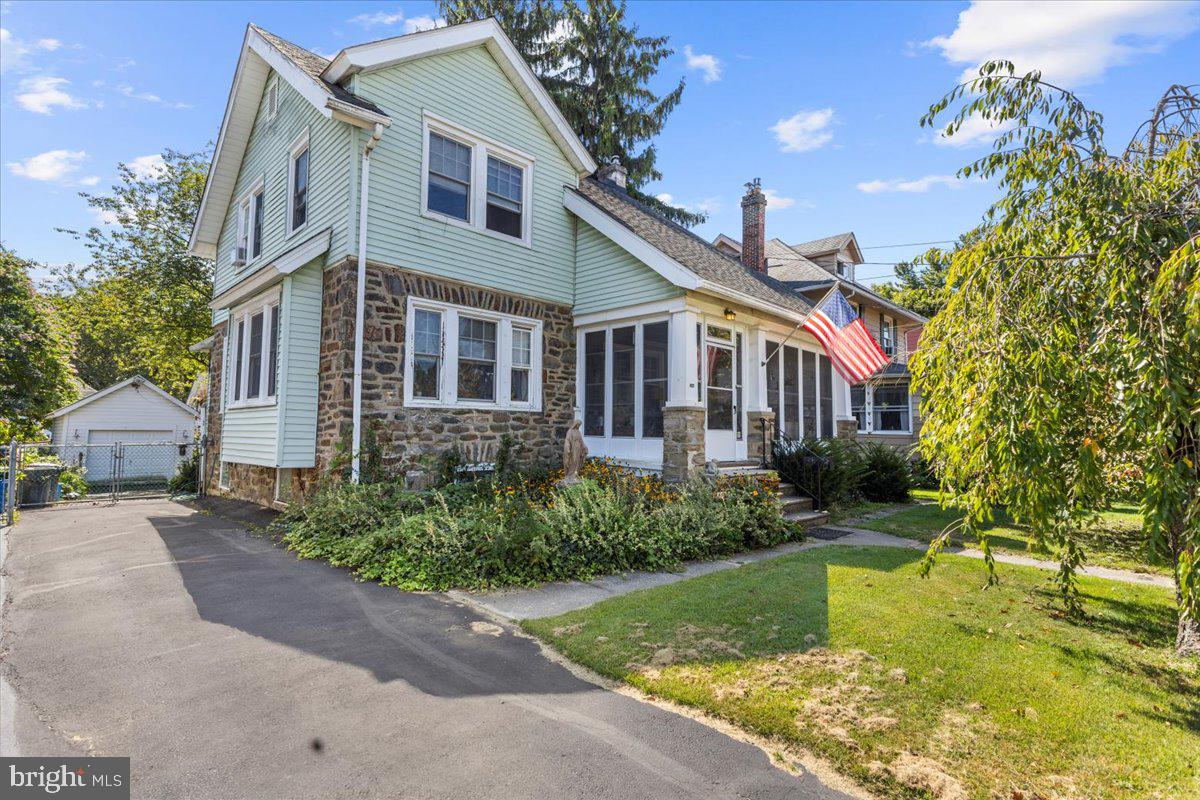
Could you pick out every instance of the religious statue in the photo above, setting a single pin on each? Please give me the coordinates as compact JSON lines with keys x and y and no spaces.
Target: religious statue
{"x":574,"y":453}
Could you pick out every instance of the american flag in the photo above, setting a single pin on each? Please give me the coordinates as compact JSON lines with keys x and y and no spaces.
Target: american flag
{"x":854,"y":352}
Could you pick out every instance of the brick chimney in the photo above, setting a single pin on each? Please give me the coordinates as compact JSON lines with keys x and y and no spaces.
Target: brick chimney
{"x":754,"y":227}
{"x":613,"y":173}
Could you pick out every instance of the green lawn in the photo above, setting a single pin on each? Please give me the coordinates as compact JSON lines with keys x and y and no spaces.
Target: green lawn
{"x":1116,"y":541}
{"x":903,"y":682}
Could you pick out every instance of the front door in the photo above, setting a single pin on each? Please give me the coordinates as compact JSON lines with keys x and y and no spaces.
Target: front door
{"x":721,"y":389}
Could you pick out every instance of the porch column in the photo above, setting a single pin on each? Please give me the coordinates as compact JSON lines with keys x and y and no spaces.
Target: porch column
{"x":684,"y":413}
{"x":758,"y":409}
{"x":844,"y":424}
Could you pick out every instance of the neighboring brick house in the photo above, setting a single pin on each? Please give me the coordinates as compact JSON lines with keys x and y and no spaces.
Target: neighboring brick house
{"x":885,"y":407}
{"x":509,"y":283}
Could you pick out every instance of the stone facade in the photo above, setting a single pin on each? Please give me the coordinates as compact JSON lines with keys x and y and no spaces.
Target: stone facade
{"x":410,"y":437}
{"x":755,"y":442}
{"x":847,"y":427}
{"x":683,"y":441}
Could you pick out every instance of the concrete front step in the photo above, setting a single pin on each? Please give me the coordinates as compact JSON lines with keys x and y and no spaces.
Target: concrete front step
{"x":807,"y":519}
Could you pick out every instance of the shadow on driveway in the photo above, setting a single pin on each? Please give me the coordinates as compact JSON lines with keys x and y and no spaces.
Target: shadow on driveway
{"x":248,"y":583}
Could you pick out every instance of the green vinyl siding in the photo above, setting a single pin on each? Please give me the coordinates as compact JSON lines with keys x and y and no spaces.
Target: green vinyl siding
{"x":607,"y":277}
{"x":300,"y":334}
{"x":331,"y":164}
{"x":467,"y":88}
{"x":248,"y":435}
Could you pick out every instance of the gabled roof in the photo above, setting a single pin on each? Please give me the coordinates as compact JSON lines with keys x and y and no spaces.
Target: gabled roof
{"x":261,"y":53}
{"x":785,"y":264}
{"x":136,"y":380}
{"x":854,"y":288}
{"x":687,"y":254}
{"x":830,"y":244}
{"x":486,"y":33}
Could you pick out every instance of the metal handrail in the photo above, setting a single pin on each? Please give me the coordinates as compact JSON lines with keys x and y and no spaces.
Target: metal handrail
{"x":814,"y":461}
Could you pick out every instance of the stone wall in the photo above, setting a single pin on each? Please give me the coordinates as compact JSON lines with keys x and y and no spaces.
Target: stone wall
{"x":411,"y":438}
{"x":755,"y":443}
{"x":683,"y":441}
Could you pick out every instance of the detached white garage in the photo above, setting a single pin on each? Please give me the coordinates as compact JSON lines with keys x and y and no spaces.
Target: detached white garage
{"x":132,"y":412}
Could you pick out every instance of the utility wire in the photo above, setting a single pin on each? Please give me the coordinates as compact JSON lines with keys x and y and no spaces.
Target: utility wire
{"x":909,"y":244}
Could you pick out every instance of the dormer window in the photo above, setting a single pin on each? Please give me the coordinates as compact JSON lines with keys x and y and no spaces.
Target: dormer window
{"x":473,"y":182}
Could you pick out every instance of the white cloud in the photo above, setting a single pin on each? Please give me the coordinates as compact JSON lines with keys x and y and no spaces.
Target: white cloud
{"x":423,"y":23}
{"x":974,"y":131}
{"x":777,"y":201}
{"x":385,"y":19}
{"x":1070,"y":42}
{"x":90,"y":180}
{"x":708,"y":64}
{"x":146,"y":167}
{"x":40,"y":95}
{"x":15,"y":53}
{"x":804,"y":130}
{"x":104,"y":216}
{"x":918,"y":185}
{"x":665,"y":197}
{"x":709,"y":205}
{"x":54,"y":165}
{"x":148,"y":97}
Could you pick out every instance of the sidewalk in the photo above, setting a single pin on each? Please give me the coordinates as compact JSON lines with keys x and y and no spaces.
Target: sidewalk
{"x":558,"y":598}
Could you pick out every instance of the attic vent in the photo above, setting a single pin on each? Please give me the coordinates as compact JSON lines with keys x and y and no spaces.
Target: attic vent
{"x":273,"y":99}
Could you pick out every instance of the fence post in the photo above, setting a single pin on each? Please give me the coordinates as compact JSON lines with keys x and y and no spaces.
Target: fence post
{"x":10,"y":488}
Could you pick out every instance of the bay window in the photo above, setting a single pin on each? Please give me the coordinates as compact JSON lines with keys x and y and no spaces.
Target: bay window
{"x":254,"y":351}
{"x":471,"y":358}
{"x":624,"y":371}
{"x":471,"y":181}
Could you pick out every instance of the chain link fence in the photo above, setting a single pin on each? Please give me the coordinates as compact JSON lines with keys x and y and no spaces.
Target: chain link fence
{"x":50,"y":474}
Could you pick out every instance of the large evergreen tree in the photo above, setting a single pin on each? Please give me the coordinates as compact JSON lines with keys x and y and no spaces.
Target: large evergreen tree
{"x":142,"y":299}
{"x":598,"y":70}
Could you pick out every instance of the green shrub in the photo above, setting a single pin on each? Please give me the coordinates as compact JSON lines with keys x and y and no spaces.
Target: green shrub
{"x":73,"y":484}
{"x":828,"y":470}
{"x":187,"y":475}
{"x":525,"y":529}
{"x":887,"y":477}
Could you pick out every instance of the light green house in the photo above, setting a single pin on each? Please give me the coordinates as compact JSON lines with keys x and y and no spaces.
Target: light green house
{"x":419,"y":208}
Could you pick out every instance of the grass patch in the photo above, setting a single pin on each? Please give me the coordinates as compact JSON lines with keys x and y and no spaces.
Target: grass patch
{"x":909,"y":684}
{"x":1116,"y":540}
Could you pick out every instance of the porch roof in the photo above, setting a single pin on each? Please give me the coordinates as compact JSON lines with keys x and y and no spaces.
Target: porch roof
{"x":715,"y":270}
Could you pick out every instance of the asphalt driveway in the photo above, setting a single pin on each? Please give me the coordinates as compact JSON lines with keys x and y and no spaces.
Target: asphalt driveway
{"x":226,"y":668}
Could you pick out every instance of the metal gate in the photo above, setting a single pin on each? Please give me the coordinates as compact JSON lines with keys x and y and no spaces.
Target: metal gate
{"x":38,"y":475}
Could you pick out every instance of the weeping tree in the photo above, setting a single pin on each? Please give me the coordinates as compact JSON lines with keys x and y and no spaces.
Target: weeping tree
{"x":1070,"y":338}
{"x":598,"y":69}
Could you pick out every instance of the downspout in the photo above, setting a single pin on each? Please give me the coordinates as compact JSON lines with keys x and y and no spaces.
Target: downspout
{"x":360,"y":299}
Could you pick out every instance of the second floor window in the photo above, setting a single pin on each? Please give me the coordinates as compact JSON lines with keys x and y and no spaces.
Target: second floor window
{"x":249,"y":227}
{"x":298,"y":164}
{"x":473,"y":182}
{"x":887,"y":335}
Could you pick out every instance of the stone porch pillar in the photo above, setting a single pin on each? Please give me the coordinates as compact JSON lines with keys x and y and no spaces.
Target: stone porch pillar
{"x":756,"y":449}
{"x":847,"y":427}
{"x":683,"y":441}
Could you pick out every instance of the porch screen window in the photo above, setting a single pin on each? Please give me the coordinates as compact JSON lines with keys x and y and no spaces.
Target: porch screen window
{"x":254,"y":356}
{"x":654,"y":378}
{"x":720,"y":388}
{"x":522,"y":362}
{"x":826,"y":396}
{"x":273,"y":366}
{"x":476,"y":359}
{"x":808,"y":372}
{"x":449,"y":177}
{"x":774,"y":359}
{"x":504,"y":193}
{"x":624,"y":347}
{"x":791,"y":392}
{"x":594,"y":381}
{"x":858,"y":406}
{"x":427,"y":353}
{"x":890,"y":409}
{"x":237,"y":361}
{"x":299,"y":193}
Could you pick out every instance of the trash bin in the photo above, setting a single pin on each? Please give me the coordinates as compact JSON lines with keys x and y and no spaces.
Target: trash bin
{"x":39,"y":486}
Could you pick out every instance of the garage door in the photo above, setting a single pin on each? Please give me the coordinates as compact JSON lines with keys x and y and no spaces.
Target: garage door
{"x":140,"y":458}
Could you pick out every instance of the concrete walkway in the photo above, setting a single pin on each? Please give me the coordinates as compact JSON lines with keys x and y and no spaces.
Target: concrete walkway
{"x":558,"y":598}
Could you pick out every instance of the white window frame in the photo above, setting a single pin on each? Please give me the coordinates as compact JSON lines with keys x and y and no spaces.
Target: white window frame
{"x":273,"y":91}
{"x":448,"y":375}
{"x":481,"y":147}
{"x":869,"y":412}
{"x":263,"y":303}
{"x":246,"y":204}
{"x":639,"y":363}
{"x":888,"y":323}
{"x":298,"y":146}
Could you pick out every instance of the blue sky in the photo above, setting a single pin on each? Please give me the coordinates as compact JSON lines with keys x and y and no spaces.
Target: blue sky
{"x":819,"y":100}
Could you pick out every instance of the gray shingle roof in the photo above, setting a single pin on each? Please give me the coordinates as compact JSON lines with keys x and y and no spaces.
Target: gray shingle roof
{"x":688,"y":249}
{"x":785,"y":264}
{"x":314,"y":65}
{"x":825,"y":245}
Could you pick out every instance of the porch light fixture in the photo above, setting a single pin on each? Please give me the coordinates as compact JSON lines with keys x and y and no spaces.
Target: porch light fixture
{"x":729,"y":314}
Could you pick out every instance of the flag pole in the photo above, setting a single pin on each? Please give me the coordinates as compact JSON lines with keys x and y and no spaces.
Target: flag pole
{"x":801,"y":324}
